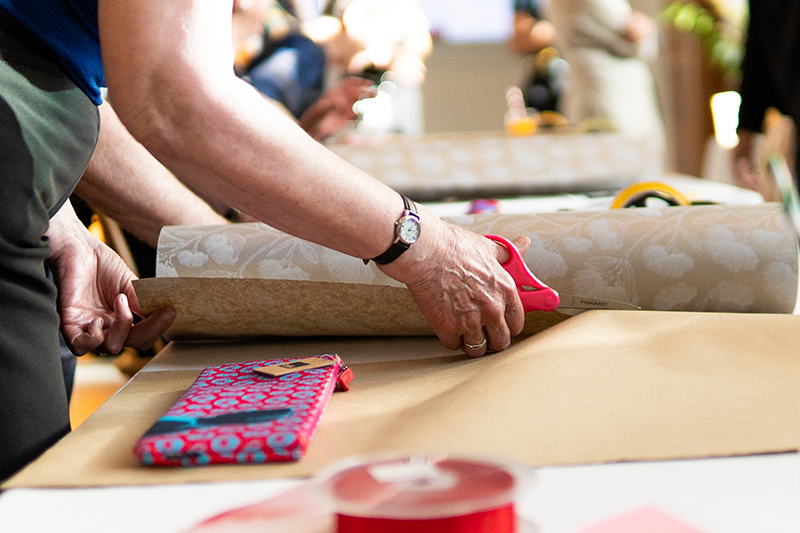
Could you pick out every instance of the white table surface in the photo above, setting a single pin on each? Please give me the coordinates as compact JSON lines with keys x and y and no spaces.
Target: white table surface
{"x":722,"y":495}
{"x":694,"y":189}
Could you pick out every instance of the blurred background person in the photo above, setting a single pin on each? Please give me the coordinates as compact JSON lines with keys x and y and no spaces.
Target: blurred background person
{"x":770,"y":79}
{"x":535,"y":37}
{"x":314,"y":60}
{"x":275,"y":56}
{"x":608,"y":46}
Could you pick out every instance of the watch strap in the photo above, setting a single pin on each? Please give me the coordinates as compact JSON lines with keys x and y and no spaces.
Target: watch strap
{"x":398,"y":246}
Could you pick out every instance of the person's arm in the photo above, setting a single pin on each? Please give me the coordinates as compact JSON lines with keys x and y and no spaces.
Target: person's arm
{"x":126,"y":183}
{"x":531,"y":34}
{"x":96,"y":300}
{"x":169,"y":70}
{"x":605,"y":24}
{"x":745,"y":171}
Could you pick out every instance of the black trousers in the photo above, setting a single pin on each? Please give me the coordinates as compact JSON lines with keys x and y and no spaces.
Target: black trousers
{"x":48,"y":130}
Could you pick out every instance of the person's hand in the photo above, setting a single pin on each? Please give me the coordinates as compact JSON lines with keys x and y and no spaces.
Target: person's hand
{"x":96,"y":300}
{"x":745,"y":173}
{"x":530,"y":34}
{"x":639,"y":27}
{"x":334,"y":109}
{"x":457,"y":280}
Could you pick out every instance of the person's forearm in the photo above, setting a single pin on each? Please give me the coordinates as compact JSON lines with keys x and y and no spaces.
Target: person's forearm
{"x":219,"y":135}
{"x":169,"y":70}
{"x":66,"y":229}
{"x":126,"y":183}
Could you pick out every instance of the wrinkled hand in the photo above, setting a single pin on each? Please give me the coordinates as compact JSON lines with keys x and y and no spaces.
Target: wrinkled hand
{"x":334,"y":109}
{"x":458,"y":282}
{"x":96,"y":300}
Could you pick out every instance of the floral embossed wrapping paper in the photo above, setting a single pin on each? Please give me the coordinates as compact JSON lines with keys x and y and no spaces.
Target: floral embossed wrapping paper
{"x":492,"y":163}
{"x":699,"y":258}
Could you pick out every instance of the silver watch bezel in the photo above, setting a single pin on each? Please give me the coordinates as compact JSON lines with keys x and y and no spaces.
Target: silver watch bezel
{"x":408,"y":216}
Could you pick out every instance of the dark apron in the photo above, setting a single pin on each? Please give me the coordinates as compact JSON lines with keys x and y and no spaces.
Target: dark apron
{"x":48,"y":130}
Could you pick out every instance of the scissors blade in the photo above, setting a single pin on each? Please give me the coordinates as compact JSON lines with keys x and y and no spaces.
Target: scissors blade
{"x":572,"y":305}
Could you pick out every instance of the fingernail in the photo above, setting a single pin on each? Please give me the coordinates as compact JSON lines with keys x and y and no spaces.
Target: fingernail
{"x":169,"y":316}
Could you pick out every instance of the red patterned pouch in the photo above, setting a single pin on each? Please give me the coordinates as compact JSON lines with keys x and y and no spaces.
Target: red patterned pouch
{"x":236,"y":414}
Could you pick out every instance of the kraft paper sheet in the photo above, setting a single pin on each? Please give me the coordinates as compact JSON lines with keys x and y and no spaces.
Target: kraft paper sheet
{"x":603,"y":386}
{"x":251,"y":280}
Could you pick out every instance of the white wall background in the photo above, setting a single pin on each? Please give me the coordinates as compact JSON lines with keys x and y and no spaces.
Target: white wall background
{"x":470,"y":20}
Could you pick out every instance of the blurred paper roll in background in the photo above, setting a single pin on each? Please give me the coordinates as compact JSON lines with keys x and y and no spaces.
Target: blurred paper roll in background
{"x":689,"y":258}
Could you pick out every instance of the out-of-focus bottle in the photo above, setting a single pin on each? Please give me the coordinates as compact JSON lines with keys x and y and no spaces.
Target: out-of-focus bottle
{"x":519,"y":120}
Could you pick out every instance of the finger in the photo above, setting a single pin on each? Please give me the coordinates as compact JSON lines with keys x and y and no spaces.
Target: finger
{"x":498,"y":334}
{"x":80,"y":341}
{"x":450,"y":341}
{"x":144,"y":334}
{"x":475,"y":347}
{"x":474,"y":341}
{"x":452,"y":334}
{"x":514,"y":313}
{"x":367,"y":91}
{"x":120,"y":326}
{"x":522,"y":243}
{"x":515,"y":316}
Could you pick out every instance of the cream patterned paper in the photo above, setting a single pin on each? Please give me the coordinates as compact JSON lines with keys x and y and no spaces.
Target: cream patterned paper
{"x":699,"y":258}
{"x":494,"y":163}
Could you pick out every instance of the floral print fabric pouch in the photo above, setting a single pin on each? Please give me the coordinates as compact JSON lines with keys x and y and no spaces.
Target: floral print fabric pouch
{"x":236,"y":414}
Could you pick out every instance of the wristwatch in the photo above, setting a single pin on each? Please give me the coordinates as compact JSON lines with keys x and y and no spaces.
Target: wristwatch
{"x":406,"y":231}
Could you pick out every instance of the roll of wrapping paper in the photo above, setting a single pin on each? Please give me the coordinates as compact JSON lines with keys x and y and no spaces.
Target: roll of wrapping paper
{"x":472,"y":164}
{"x":686,"y":258}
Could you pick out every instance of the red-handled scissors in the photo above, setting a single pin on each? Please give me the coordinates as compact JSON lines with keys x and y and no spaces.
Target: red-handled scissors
{"x":536,"y":296}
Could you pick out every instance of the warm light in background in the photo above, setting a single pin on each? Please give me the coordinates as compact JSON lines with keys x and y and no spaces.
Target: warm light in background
{"x":377,"y":113}
{"x":725,"y":112}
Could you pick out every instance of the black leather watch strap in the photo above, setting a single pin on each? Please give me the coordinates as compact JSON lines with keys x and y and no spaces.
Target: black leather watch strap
{"x":394,"y":251}
{"x":398,"y":246}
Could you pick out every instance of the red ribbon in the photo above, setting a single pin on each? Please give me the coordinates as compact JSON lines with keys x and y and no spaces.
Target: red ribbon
{"x":500,"y":520}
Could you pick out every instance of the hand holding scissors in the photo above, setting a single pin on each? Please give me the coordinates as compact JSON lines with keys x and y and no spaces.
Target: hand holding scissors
{"x":537,"y":296}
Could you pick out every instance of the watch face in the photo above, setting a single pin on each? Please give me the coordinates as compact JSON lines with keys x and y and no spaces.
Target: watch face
{"x":408,"y":230}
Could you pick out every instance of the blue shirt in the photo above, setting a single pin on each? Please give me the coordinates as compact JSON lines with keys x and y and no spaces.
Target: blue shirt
{"x":531,"y":7}
{"x":69,"y":28}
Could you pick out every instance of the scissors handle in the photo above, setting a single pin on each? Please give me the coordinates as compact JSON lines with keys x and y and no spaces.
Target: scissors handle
{"x":541,"y":297}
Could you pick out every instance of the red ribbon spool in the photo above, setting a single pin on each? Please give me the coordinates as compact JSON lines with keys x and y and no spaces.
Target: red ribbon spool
{"x":502,"y":520}
{"x":424,"y":495}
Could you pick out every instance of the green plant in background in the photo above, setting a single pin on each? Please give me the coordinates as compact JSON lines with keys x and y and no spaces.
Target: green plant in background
{"x":720,"y":25}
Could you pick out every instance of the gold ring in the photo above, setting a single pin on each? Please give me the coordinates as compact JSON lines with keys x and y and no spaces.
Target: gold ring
{"x":475,"y":346}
